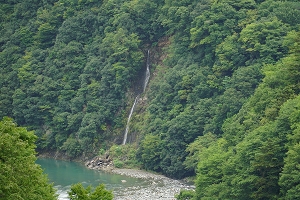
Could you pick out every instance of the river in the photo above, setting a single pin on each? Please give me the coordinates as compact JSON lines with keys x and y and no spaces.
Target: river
{"x":64,"y":173}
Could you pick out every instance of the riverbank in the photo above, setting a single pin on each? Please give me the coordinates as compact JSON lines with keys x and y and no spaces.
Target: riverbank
{"x":161,"y":187}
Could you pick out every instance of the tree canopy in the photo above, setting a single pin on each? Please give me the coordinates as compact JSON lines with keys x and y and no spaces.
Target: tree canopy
{"x":20,"y":177}
{"x":222,"y":100}
{"x":78,"y":192}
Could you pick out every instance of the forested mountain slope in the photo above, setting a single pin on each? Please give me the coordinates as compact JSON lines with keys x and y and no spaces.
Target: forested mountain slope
{"x":222,"y":100}
{"x":66,"y":67}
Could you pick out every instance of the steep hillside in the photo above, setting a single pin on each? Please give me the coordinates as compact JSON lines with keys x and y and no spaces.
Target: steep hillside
{"x":221,"y":103}
{"x":72,"y":64}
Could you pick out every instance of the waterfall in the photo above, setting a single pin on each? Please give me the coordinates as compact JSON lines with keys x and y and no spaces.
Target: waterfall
{"x":147,"y":71}
{"x":129,"y":117}
{"x":147,"y":77}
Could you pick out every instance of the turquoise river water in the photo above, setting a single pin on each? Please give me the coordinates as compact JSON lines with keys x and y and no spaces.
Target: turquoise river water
{"x":64,"y":173}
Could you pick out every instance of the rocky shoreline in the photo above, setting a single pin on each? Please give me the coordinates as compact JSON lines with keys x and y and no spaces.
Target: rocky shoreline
{"x":159,"y":187}
{"x":156,"y":187}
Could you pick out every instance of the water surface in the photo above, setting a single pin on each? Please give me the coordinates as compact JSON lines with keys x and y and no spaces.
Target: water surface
{"x":64,"y":173}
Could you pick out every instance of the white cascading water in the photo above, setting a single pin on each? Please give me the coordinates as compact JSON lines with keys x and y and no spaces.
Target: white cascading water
{"x":147,"y":71}
{"x":128,"y":120}
{"x":147,"y":77}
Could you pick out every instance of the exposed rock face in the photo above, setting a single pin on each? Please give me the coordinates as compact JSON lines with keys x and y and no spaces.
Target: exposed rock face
{"x":99,"y":163}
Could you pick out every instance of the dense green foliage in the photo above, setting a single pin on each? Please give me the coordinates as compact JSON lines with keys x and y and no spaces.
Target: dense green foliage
{"x":218,"y":55}
{"x":66,"y":67}
{"x":78,"y":192}
{"x":123,"y":155}
{"x":222,"y":102}
{"x":256,"y":153}
{"x":20,"y":177}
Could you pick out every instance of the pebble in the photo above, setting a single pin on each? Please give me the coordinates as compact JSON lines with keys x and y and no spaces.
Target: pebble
{"x":161,"y":188}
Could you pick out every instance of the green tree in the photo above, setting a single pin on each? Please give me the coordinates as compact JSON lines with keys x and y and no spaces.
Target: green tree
{"x":210,"y":170}
{"x":185,"y":195}
{"x":289,"y":178}
{"x":20,"y":177}
{"x":78,"y":192}
{"x":263,"y":40}
{"x":45,"y":35}
{"x":194,"y":149}
{"x":150,"y":151}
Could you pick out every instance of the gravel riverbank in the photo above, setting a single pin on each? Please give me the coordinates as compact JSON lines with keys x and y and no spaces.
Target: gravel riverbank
{"x":160,"y":187}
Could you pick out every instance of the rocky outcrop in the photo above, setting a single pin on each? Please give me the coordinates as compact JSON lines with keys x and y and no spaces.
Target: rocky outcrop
{"x":100,"y":163}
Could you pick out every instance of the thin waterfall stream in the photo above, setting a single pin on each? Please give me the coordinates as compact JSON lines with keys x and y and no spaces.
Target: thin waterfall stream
{"x":147,"y":77}
{"x":129,"y":117}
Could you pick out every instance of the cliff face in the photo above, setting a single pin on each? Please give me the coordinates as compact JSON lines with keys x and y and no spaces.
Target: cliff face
{"x":157,"y":54}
